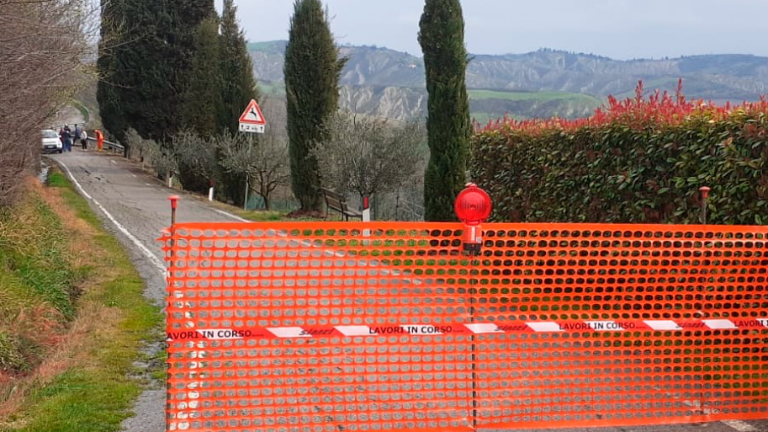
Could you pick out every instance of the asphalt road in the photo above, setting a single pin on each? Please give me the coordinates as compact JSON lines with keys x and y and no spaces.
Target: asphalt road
{"x":135,"y":208}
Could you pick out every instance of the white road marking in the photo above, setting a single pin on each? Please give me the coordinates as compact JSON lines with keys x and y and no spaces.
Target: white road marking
{"x":740,"y":425}
{"x":147,"y":184}
{"x":134,"y":176}
{"x":230,"y":215}
{"x":113,"y":161}
{"x":144,"y":250}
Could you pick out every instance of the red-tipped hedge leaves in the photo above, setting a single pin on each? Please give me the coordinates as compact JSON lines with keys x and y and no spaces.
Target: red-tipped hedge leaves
{"x":641,"y":160}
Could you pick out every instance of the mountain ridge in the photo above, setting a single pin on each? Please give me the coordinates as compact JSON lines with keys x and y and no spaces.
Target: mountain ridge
{"x":391,"y":83}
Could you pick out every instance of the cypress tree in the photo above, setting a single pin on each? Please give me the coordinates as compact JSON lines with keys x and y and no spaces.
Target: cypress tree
{"x":441,"y":37}
{"x":203,"y":100}
{"x":107,"y":94}
{"x":312,"y":72}
{"x":186,"y":16}
{"x":149,"y":70}
{"x":238,"y":88}
{"x":239,"y":84}
{"x":142,"y":73}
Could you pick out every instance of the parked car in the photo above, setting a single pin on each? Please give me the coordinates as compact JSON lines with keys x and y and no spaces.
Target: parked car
{"x":51,"y":142}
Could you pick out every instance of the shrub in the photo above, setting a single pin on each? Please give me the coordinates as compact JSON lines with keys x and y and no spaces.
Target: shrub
{"x":641,"y":160}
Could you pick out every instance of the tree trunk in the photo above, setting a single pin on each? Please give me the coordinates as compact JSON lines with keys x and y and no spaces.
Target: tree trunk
{"x":266,"y":195}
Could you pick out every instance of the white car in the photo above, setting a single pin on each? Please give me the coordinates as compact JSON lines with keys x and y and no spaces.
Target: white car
{"x":51,"y":142}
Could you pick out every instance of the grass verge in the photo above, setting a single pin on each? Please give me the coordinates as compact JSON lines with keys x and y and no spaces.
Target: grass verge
{"x":85,"y":383}
{"x":255,"y":215}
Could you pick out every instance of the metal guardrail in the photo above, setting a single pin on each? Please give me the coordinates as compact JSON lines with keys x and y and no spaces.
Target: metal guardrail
{"x":117,"y":148}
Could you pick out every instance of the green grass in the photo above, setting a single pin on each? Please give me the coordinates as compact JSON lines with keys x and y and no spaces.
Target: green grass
{"x":263,"y":216}
{"x":38,"y":283}
{"x":272,"y":216}
{"x":542,"y":96}
{"x":83,"y":110}
{"x":36,"y":259}
{"x":96,"y":396}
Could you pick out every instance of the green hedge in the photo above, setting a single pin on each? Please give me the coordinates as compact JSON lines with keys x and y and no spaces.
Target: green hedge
{"x":638,"y":162}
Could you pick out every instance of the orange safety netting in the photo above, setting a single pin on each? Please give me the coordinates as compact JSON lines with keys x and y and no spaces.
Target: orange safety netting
{"x":388,"y":326}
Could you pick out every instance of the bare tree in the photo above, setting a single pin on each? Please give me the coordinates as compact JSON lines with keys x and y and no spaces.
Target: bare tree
{"x":47,"y":49}
{"x":369,"y":156}
{"x":265,"y":163}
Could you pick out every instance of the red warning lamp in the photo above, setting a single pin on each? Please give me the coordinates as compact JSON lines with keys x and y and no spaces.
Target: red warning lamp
{"x":174,"y":199}
{"x":473,"y":205}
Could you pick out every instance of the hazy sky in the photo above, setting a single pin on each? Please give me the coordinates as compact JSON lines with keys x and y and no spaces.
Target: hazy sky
{"x":616,"y":28}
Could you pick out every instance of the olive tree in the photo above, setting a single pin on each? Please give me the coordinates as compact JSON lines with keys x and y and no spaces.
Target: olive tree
{"x":196,"y":154}
{"x":265,"y":163}
{"x":138,"y":147}
{"x":368,"y":155}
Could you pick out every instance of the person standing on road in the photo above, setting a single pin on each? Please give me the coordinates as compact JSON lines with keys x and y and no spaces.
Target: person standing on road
{"x":84,"y":139}
{"x":99,"y":140}
{"x":66,"y":139}
{"x":76,"y":136}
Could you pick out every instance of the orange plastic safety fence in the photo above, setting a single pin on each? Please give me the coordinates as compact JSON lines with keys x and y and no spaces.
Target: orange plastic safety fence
{"x":389,"y":326}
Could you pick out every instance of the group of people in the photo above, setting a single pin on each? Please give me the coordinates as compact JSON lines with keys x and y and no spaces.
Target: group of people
{"x":68,"y":137}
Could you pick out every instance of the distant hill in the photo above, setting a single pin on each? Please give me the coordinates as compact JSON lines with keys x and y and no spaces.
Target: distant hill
{"x":537,"y":84}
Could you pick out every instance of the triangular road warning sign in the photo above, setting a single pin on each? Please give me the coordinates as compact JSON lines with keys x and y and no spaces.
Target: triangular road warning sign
{"x":253,"y":115}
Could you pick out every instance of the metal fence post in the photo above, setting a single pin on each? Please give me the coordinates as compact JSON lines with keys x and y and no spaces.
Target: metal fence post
{"x":704,"y":198}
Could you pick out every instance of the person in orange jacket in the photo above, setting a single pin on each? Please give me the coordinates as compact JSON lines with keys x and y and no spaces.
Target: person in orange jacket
{"x":99,"y":140}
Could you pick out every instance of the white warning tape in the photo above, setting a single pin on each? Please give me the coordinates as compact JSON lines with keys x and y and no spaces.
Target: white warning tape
{"x":467,"y":329}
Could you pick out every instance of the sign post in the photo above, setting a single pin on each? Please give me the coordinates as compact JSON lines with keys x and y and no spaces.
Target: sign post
{"x":251,"y":121}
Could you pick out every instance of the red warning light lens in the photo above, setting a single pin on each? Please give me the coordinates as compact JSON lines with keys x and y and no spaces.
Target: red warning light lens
{"x":473,"y":205}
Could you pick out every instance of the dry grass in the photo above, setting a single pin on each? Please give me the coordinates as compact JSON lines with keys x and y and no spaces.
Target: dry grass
{"x":37,"y":289}
{"x":94,"y":344}
{"x":75,"y":348}
{"x":29,"y":317}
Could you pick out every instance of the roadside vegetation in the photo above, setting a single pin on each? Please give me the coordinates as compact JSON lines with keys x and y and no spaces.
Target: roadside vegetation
{"x":201,"y":146}
{"x":72,"y":316}
{"x":30,"y":92}
{"x":639,"y":160}
{"x":449,"y":128}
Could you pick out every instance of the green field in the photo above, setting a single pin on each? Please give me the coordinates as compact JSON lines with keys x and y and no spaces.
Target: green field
{"x":489,"y":105}
{"x":271,"y":89}
{"x":649,"y":86}
{"x":483,"y":118}
{"x":276,"y":47}
{"x":540,"y":96}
